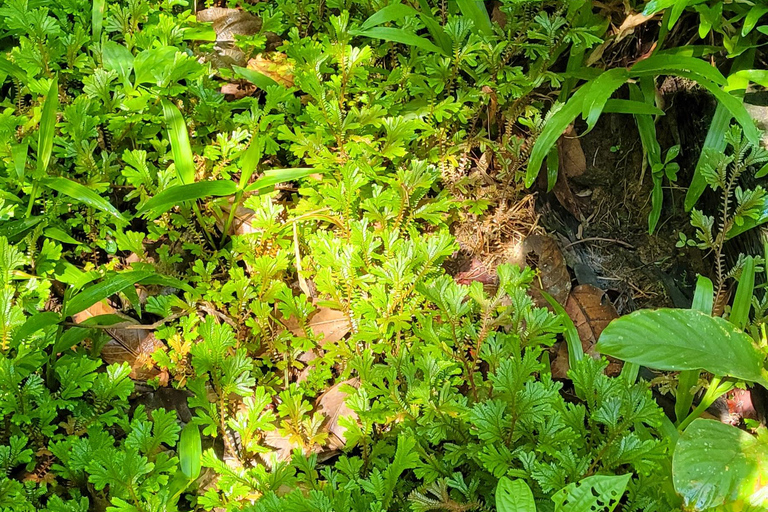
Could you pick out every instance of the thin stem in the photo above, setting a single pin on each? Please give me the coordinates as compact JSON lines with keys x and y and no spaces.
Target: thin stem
{"x":716,"y":389}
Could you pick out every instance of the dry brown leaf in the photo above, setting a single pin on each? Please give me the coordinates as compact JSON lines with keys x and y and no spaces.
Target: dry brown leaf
{"x":332,"y":405}
{"x":542,"y":252}
{"x":227,"y":23}
{"x":134,"y":346}
{"x":565,"y":196}
{"x":629,"y":24}
{"x":591,"y":312}
{"x":274,"y":65}
{"x":331,"y":323}
{"x":573,"y":162}
{"x":237,"y":91}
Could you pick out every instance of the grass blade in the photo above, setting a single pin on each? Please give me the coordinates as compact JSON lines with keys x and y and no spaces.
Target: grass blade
{"x":258,"y":79}
{"x":631,"y":107}
{"x":20,"y":153}
{"x":274,"y":176}
{"x":742,"y":303}
{"x":703,"y":300}
{"x":108,"y":287}
{"x":249,"y":160}
{"x":190,"y":451}
{"x":97,"y":18}
{"x":599,"y":92}
{"x":389,"y":13}
{"x":84,"y":195}
{"x":664,"y":64}
{"x":575,"y":350}
{"x":35,"y":323}
{"x":475,"y":10}
{"x":47,"y":127}
{"x":182,"y":150}
{"x":554,"y":127}
{"x":11,"y":69}
{"x":178,"y":194}
{"x":399,"y":35}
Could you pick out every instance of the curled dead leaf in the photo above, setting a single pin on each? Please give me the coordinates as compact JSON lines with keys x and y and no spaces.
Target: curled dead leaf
{"x":629,"y":24}
{"x":237,"y":91}
{"x":591,"y":312}
{"x":573,"y":162}
{"x":542,"y":252}
{"x":128,"y":344}
{"x":332,"y":405}
{"x":274,"y":65}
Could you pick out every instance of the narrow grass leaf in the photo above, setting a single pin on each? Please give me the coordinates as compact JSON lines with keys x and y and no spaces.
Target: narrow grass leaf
{"x":599,"y":91}
{"x":399,"y":35}
{"x":571,"y":334}
{"x":438,"y":33}
{"x":11,"y":69}
{"x":274,"y":176}
{"x":663,"y":64}
{"x":631,"y":107}
{"x":258,"y":79}
{"x":97,"y":18}
{"x":190,"y":451}
{"x":389,"y":13}
{"x":475,"y":10}
{"x":47,"y":127}
{"x":84,"y":195}
{"x":742,"y":302}
{"x":100,"y":291}
{"x":182,"y":150}
{"x":35,"y":323}
{"x":179,"y":194}
{"x":553,"y":129}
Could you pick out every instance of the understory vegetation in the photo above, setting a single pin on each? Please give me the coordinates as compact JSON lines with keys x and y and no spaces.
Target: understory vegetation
{"x":229,"y":236}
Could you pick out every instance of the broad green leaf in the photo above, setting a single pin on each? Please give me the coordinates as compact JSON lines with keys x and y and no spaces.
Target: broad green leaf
{"x":683,"y":339}
{"x":399,"y":35}
{"x":151,"y":65}
{"x":119,"y":59}
{"x":715,"y":464}
{"x":97,"y":18}
{"x":599,"y":493}
{"x":47,"y":127}
{"x":274,"y":176}
{"x":84,"y":195}
{"x":742,"y":302}
{"x":179,"y":137}
{"x":178,"y":194}
{"x":35,"y":323}
{"x":389,"y":13}
{"x":100,"y":291}
{"x":190,"y":451}
{"x":258,"y":79}
{"x":475,"y":10}
{"x":514,"y":496}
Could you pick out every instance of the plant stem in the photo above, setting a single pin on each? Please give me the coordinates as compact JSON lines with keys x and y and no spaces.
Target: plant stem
{"x":716,"y":389}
